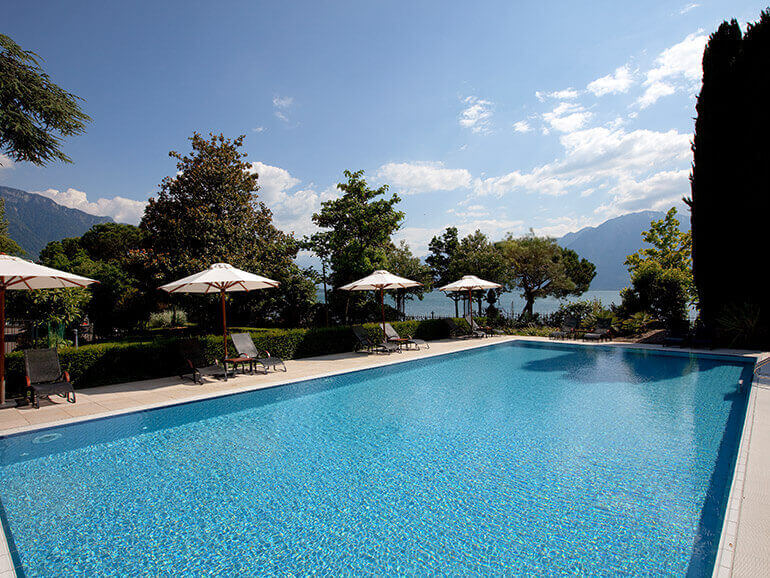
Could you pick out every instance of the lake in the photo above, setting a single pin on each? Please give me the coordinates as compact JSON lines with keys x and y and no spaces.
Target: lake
{"x":438,"y":304}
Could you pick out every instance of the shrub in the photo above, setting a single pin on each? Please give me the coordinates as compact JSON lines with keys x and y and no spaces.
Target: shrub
{"x":167,"y":318}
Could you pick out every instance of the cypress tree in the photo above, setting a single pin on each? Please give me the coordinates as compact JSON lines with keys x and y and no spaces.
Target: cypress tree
{"x":730,"y":178}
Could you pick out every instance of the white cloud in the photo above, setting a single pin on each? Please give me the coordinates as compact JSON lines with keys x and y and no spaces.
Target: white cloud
{"x":560,"y":226}
{"x":283,"y":101}
{"x":690,"y":6}
{"x":419,"y":237}
{"x":5,"y":163}
{"x":292,"y":209}
{"x":654,"y":92}
{"x":259,"y":129}
{"x":677,"y":68}
{"x":566,"y":94}
{"x":659,"y":191}
{"x":477,"y":115}
{"x":423,"y":177}
{"x":617,"y":82}
{"x":595,"y":157}
{"x":522,"y":126}
{"x":121,"y":209}
{"x":281,"y":106}
{"x":567,"y":117}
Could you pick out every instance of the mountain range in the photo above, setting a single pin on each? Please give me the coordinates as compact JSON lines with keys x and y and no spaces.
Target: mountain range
{"x":607,"y":246}
{"x":34,"y":220}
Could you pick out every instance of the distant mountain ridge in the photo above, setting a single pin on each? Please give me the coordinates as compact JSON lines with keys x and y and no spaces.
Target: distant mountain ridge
{"x":607,"y":246}
{"x":34,"y":220}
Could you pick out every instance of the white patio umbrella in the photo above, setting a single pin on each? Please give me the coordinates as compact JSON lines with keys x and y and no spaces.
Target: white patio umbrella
{"x":224,"y":278}
{"x":470,"y":283}
{"x":19,"y":274}
{"x":380,"y":281}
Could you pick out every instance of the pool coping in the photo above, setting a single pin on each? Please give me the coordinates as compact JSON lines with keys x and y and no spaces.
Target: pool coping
{"x":723,"y":563}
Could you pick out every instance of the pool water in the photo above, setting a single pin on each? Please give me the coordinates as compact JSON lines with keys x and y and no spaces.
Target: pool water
{"x":509,"y":459}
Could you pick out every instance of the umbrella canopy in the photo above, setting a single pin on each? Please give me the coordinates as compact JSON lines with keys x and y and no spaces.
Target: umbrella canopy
{"x":470,"y":283}
{"x":18,"y":275}
{"x":224,"y":278}
{"x":380,"y":281}
{"x":220,"y":277}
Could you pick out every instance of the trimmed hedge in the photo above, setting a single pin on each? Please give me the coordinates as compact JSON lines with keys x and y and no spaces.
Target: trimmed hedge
{"x":118,"y":362}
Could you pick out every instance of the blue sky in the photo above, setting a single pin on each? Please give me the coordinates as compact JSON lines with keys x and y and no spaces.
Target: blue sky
{"x":493,"y":115}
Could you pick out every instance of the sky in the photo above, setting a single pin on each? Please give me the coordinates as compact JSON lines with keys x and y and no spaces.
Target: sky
{"x":499,"y":116}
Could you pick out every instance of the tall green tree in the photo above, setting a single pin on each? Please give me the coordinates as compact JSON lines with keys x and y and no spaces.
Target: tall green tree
{"x":539,"y":267}
{"x":402,"y":262}
{"x":35,"y":113}
{"x":356,"y":231}
{"x":477,"y":255}
{"x":442,"y":251}
{"x":106,"y":252}
{"x":661,"y":273}
{"x":730,"y":180}
{"x":209,"y":212}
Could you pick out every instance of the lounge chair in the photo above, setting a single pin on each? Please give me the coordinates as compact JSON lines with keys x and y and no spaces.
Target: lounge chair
{"x":457,"y":331}
{"x":244,"y":344}
{"x":45,"y":376}
{"x":364,"y":343}
{"x":601,"y":332}
{"x":194,"y":363}
{"x":393,"y":337}
{"x":486,"y":331}
{"x":567,"y":329}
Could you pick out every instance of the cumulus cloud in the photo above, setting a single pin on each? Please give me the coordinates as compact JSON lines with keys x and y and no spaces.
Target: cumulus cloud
{"x":292,"y":207}
{"x":567,"y":117}
{"x":617,"y":82}
{"x":677,"y":68}
{"x":522,"y":126}
{"x":594,"y":157}
{"x":658,"y":191}
{"x":5,"y":163}
{"x":477,"y":114}
{"x":121,"y":209}
{"x":423,"y":177}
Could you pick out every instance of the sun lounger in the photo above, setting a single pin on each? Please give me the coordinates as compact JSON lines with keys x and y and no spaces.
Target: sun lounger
{"x":393,"y":337}
{"x":45,"y":377}
{"x":456,"y":331}
{"x":567,"y":329}
{"x":194,"y":363}
{"x":364,"y":343}
{"x":244,"y":344}
{"x":600,"y":333}
{"x":485,"y":331}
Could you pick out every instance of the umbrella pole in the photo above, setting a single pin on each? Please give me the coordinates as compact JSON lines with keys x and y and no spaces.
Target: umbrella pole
{"x":382,"y":307}
{"x":2,"y":345}
{"x":224,"y":326}
{"x":470,"y":305}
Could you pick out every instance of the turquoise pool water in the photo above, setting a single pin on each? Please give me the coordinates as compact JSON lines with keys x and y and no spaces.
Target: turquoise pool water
{"x":509,"y":459}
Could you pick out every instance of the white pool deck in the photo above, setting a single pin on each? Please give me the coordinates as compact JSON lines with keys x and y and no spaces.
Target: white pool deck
{"x":745,"y":545}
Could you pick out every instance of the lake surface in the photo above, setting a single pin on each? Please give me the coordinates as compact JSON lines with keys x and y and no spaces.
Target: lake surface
{"x":438,"y":304}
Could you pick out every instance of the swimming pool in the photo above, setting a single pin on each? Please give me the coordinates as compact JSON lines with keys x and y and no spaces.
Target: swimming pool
{"x":513,"y":458}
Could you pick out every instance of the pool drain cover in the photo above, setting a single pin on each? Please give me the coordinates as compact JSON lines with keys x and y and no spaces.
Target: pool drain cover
{"x":46,"y":438}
